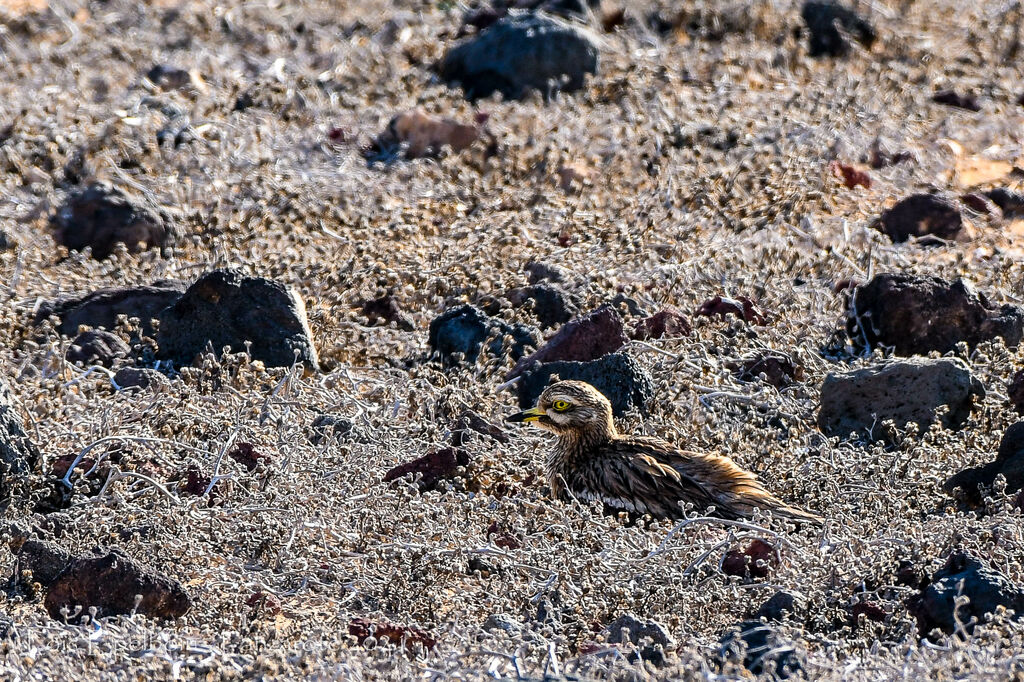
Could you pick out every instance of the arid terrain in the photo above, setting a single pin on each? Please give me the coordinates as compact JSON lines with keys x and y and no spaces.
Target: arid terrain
{"x":709,"y":155}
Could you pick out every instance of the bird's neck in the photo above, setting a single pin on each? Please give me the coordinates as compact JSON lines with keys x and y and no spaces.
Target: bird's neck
{"x":579,"y":444}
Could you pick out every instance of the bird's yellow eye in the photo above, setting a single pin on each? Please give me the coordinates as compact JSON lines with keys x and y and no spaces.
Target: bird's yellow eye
{"x":560,"y":405}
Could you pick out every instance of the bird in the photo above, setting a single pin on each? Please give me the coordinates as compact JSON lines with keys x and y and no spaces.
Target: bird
{"x":592,"y":461}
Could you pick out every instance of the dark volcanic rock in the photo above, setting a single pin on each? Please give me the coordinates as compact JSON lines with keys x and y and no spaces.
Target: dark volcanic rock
{"x":112,"y":583}
{"x":668,"y":321}
{"x":1015,"y":391}
{"x":901,"y":390}
{"x":1009,"y":462}
{"x":930,"y":217}
{"x":139,"y":377}
{"x":329,"y":427}
{"x":464,"y":329}
{"x":651,"y":636}
{"x":830,"y":23}
{"x":385,"y":309}
{"x":935,"y":607}
{"x":18,"y":455}
{"x":101,"y":216}
{"x":617,"y":376}
{"x":168,"y":77}
{"x":44,"y":560}
{"x":761,"y":648}
{"x":551,"y":305}
{"x":1009,"y":202}
{"x":981,"y":203}
{"x":97,"y":347}
{"x":585,"y":338}
{"x":778,"y":369}
{"x":226,"y":308}
{"x":916,"y":315}
{"x":537,"y":272}
{"x":778,"y":606}
{"x":519,"y":53}
{"x":431,"y":467}
{"x":101,"y":308}
{"x":952,"y":98}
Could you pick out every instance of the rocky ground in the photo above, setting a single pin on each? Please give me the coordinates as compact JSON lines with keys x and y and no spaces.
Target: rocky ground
{"x":776,"y":212}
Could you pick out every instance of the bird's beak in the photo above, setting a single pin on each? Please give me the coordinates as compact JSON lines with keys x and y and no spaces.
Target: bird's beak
{"x":530,"y":415}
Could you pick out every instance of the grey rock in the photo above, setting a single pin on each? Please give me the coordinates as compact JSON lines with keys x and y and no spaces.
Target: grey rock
{"x":18,"y":455}
{"x":503,"y":623}
{"x":550,"y":304}
{"x":101,"y":216}
{"x":225,"y":308}
{"x":652,"y":637}
{"x":519,"y":53}
{"x":97,"y":347}
{"x":904,"y":391}
{"x":140,"y":377}
{"x":778,"y":606}
{"x":618,"y":376}
{"x":328,"y":427}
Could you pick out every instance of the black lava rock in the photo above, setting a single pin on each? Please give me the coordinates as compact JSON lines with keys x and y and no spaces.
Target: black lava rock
{"x":916,"y":315}
{"x":929,"y":217}
{"x":464,"y":329}
{"x":101,"y":308}
{"x":101,"y":216}
{"x":829,"y":24}
{"x":97,"y":347}
{"x":1009,"y":462}
{"x":519,"y":53}
{"x":963,"y":575}
{"x":227,"y":309}
{"x":551,"y":305}
{"x":617,"y":376}
{"x":762,"y":649}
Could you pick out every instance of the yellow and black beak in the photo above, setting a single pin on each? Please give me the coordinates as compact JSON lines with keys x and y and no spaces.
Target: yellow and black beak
{"x":531,"y":415}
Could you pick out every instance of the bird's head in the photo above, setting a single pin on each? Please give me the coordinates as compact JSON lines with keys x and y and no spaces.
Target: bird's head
{"x":570,"y":406}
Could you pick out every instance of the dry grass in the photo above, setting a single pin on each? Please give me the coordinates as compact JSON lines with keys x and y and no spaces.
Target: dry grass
{"x":264,"y":190}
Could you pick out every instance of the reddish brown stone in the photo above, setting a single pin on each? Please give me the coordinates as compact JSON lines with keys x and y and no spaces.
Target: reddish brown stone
{"x":778,"y":369}
{"x":364,"y":628}
{"x":666,"y":322}
{"x":114,"y":584}
{"x":583,"y":339}
{"x":979,"y":203}
{"x":870,"y":611}
{"x":916,"y":315}
{"x":756,"y":560}
{"x":432,"y":467}
{"x":742,"y":307}
{"x":248,"y":456}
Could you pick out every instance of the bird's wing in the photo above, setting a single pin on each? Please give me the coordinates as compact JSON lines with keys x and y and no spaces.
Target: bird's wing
{"x":639,"y":472}
{"x":705,"y":479}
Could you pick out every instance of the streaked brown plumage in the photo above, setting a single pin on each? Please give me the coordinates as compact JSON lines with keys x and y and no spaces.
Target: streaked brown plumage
{"x":639,"y":474}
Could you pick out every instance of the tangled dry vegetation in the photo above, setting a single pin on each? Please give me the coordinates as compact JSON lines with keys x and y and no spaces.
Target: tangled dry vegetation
{"x":282,"y":560}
